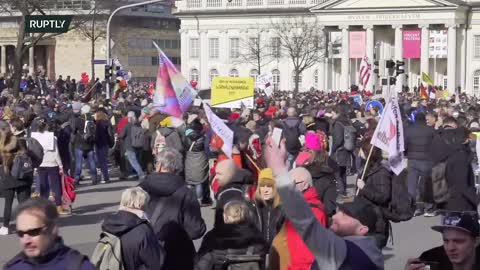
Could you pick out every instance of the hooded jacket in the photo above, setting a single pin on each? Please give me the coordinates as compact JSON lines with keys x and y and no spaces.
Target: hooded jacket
{"x":57,"y":257}
{"x":330,"y":251}
{"x":289,"y":251}
{"x":140,"y":247}
{"x":175,"y":216}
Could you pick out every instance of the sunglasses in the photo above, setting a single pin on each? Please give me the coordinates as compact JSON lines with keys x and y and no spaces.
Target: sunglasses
{"x":32,"y":232}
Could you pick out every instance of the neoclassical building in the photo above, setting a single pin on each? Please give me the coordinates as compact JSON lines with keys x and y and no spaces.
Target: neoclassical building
{"x":438,"y":37}
{"x":133,"y":31}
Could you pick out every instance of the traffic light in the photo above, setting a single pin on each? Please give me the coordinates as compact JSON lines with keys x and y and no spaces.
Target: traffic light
{"x":376,"y":66}
{"x":393,"y":80}
{"x":108,"y":72}
{"x":390,"y":64}
{"x":400,"y":68}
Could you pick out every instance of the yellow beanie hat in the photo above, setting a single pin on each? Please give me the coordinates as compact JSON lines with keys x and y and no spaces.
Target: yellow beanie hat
{"x":265,"y":177}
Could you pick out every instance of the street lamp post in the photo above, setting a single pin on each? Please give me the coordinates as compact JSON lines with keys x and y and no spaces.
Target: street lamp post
{"x":109,"y":60}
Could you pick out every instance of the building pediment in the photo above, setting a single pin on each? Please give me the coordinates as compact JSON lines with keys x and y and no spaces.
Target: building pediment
{"x":372,"y":5}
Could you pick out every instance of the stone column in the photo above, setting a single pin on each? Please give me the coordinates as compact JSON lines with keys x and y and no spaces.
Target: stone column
{"x":345,"y":73}
{"x":31,"y":64}
{"x":203,"y":70}
{"x":399,"y":54}
{"x":425,"y":57}
{"x":322,"y":66}
{"x":452,"y":58}
{"x":3,"y":63}
{"x":370,"y":47}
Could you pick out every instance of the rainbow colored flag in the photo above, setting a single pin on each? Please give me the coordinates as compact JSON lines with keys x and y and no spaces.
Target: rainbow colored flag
{"x":173,"y":93}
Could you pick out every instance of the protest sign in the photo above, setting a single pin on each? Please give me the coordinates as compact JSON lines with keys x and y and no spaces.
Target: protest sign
{"x":229,"y":92}
{"x":221,"y":129}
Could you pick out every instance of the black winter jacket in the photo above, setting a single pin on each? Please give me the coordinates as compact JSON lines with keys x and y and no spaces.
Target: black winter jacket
{"x":101,"y":138}
{"x":418,"y":141}
{"x":78,"y":126}
{"x":140,"y":247}
{"x":324,"y":183}
{"x":449,"y":146}
{"x":268,"y":219}
{"x":378,"y":185}
{"x":175,"y":216}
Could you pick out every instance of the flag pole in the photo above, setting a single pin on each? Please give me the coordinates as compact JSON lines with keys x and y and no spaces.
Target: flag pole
{"x":366,"y":165}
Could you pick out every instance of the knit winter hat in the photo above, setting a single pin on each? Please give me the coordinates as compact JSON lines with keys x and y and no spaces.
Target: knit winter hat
{"x":312,"y":141}
{"x":76,"y":107}
{"x":265,"y":178}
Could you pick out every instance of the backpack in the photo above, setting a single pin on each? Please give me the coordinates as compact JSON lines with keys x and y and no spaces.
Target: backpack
{"x":292,"y":134}
{"x":402,"y":205}
{"x":349,"y":138}
{"x":34,"y":151}
{"x":231,"y":259}
{"x":22,"y":167}
{"x":108,"y":253}
{"x":137,"y":136}
{"x":89,"y":131}
{"x":439,"y":183}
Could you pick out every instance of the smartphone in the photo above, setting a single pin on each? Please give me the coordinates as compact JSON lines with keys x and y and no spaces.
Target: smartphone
{"x":430,"y":265}
{"x":277,"y":136}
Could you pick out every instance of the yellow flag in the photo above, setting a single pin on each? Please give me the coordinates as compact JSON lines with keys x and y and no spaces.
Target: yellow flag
{"x":228,"y":89}
{"x":426,"y":79}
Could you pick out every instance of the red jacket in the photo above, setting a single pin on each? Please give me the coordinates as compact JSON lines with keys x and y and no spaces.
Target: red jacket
{"x":300,"y":256}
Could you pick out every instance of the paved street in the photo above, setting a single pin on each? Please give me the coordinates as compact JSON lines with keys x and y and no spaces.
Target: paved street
{"x":95,"y":202}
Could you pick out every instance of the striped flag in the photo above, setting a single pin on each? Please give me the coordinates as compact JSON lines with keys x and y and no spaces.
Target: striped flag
{"x":365,"y":72}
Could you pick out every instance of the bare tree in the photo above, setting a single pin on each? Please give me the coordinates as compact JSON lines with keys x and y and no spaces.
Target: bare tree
{"x":254,"y":51}
{"x":95,"y":26}
{"x":302,"y":40}
{"x":20,"y":9}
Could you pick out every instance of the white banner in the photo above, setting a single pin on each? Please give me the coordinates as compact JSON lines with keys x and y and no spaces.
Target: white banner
{"x":219,"y":127}
{"x":389,"y":135}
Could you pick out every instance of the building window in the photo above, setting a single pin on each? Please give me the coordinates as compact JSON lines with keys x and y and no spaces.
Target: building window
{"x":299,"y":79}
{"x":213,"y":74}
{"x":155,"y":61}
{"x":275,"y":47}
{"x":476,"y":46}
{"x":194,"y":75}
{"x":445,"y":84}
{"x":194,"y":48}
{"x":476,"y":83}
{"x":234,"y":48}
{"x":213,"y":48}
{"x":315,"y":79}
{"x":276,"y":78}
{"x":254,"y":74}
{"x":233,"y":73}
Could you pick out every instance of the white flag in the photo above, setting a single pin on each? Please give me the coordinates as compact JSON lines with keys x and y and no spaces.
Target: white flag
{"x":389,"y":135}
{"x":219,"y":127}
{"x":365,"y":73}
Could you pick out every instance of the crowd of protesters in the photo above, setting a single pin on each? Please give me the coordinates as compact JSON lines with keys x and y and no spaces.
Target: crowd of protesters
{"x":278,"y":204}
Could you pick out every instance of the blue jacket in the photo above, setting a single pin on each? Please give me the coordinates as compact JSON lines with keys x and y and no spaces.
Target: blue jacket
{"x":58,"y":257}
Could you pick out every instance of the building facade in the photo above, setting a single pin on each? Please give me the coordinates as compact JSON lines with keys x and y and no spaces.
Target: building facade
{"x":133,"y":32}
{"x":438,"y":37}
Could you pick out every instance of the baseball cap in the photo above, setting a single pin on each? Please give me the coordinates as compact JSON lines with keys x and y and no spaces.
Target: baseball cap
{"x":465,"y":221}
{"x":361,"y":210}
